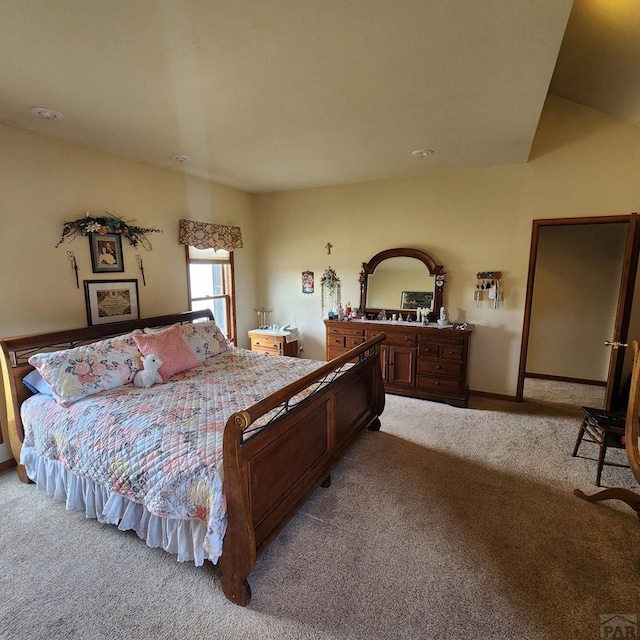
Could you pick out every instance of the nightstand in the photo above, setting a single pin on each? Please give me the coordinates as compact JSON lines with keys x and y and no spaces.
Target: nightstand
{"x":274,"y":343}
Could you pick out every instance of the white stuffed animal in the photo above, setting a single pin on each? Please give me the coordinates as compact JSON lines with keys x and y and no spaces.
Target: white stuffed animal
{"x":149,"y":375}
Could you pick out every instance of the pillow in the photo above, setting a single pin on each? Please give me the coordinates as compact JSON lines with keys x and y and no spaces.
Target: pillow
{"x":37,"y":384}
{"x":76,"y":373}
{"x":205,"y":338}
{"x":170,"y":345}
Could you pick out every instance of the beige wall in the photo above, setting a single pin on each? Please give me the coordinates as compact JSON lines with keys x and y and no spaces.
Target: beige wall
{"x":583,"y":163}
{"x":44,"y":181}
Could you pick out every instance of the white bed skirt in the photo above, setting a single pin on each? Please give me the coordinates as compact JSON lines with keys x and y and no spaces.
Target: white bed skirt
{"x":187,"y":539}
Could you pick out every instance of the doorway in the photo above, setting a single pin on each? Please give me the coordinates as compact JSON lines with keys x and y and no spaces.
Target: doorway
{"x":579,"y":292}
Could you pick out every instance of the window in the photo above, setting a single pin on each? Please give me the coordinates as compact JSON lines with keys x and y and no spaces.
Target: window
{"x":210,"y":276}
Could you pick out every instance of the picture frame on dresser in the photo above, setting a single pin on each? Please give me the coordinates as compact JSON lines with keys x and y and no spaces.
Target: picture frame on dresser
{"x":415,"y":299}
{"x":106,"y":252}
{"x":110,"y":301}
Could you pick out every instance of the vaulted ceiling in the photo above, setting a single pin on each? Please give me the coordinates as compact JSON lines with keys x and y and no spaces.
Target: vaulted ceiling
{"x":270,"y":95}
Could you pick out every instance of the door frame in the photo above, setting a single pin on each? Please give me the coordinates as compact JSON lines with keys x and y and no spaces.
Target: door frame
{"x":625,"y":295}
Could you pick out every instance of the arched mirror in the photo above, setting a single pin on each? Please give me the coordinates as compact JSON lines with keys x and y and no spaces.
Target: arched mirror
{"x":400,"y":281}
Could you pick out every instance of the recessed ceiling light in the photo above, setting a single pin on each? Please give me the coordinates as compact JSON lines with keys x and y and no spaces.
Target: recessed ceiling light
{"x":46,"y":114}
{"x":422,"y":153}
{"x":181,"y":158}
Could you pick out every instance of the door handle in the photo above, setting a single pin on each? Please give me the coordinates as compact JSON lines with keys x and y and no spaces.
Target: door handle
{"x":615,"y":344}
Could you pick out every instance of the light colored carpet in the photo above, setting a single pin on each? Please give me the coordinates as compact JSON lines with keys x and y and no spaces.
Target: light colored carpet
{"x":449,"y":523}
{"x":563,"y":394}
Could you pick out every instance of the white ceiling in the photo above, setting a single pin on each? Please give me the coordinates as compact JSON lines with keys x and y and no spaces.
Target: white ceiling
{"x":270,"y":95}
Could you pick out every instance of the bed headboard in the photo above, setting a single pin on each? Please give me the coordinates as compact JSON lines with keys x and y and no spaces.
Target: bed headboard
{"x":16,"y":351}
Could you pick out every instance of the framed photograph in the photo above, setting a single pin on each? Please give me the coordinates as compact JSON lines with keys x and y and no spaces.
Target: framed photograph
{"x":106,"y":252}
{"x":111,"y":301}
{"x":415,"y":299}
{"x":307,"y":282}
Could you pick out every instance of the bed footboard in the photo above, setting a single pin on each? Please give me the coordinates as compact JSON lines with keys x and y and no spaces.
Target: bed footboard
{"x":271,"y":474}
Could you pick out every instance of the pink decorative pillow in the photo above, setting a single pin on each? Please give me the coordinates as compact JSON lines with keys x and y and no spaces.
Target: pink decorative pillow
{"x":170,"y":345}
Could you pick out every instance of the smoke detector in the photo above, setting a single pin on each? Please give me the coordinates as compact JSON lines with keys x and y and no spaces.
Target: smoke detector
{"x":46,"y":113}
{"x":422,"y":153}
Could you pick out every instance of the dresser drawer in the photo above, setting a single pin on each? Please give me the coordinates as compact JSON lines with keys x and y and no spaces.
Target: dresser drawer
{"x":336,"y":341}
{"x":438,"y":385}
{"x":266,"y":344}
{"x":265,"y":350}
{"x":428,"y":350}
{"x":345,"y":329}
{"x":341,"y":342}
{"x":398,"y":339}
{"x":334,"y":352}
{"x":440,"y":368}
{"x":452,"y":353}
{"x":439,"y":339}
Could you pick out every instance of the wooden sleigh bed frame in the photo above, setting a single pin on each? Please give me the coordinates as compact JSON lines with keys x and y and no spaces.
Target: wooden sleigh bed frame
{"x":268,"y":476}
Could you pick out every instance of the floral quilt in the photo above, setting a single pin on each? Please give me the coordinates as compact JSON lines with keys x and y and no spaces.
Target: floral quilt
{"x":162,"y":446}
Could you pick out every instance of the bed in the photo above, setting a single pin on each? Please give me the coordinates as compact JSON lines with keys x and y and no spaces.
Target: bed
{"x":211,"y":464}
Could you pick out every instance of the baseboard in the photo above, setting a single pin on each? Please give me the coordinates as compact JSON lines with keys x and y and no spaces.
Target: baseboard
{"x":7,"y":464}
{"x":494,"y":396}
{"x":544,"y":376}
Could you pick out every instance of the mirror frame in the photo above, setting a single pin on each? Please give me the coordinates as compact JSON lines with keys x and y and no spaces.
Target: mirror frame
{"x":435,"y":269}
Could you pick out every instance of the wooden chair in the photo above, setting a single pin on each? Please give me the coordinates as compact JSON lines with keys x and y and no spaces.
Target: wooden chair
{"x":604,"y":428}
{"x":631,"y":443}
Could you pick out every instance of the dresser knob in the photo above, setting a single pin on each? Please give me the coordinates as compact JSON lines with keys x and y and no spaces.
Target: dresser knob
{"x":437,"y":383}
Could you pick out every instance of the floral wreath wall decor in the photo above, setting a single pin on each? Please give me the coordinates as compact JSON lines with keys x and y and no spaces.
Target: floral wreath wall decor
{"x":331,"y":285}
{"x":107,"y":224}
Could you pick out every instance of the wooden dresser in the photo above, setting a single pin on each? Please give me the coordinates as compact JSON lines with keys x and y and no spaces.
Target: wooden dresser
{"x":422,"y":362}
{"x":273,"y":343}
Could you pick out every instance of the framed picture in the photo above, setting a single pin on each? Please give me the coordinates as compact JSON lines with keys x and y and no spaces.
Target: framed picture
{"x":415,"y":299}
{"x":106,"y":252}
{"x":307,"y":282}
{"x":111,"y":301}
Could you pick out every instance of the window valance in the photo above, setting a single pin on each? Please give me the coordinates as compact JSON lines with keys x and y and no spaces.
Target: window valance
{"x":204,"y":235}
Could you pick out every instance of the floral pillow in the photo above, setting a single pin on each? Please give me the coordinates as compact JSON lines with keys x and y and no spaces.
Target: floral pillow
{"x":170,"y":345}
{"x":205,"y":338}
{"x":76,"y":373}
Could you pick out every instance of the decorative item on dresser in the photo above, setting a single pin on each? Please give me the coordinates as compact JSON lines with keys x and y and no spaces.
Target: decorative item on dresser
{"x":418,"y":361}
{"x":274,"y":342}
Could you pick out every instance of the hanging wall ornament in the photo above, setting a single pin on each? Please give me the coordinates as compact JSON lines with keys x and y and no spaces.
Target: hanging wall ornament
{"x":489,"y":283}
{"x":307,"y":282}
{"x":74,"y":266}
{"x":141,"y":267}
{"x":331,"y":298}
